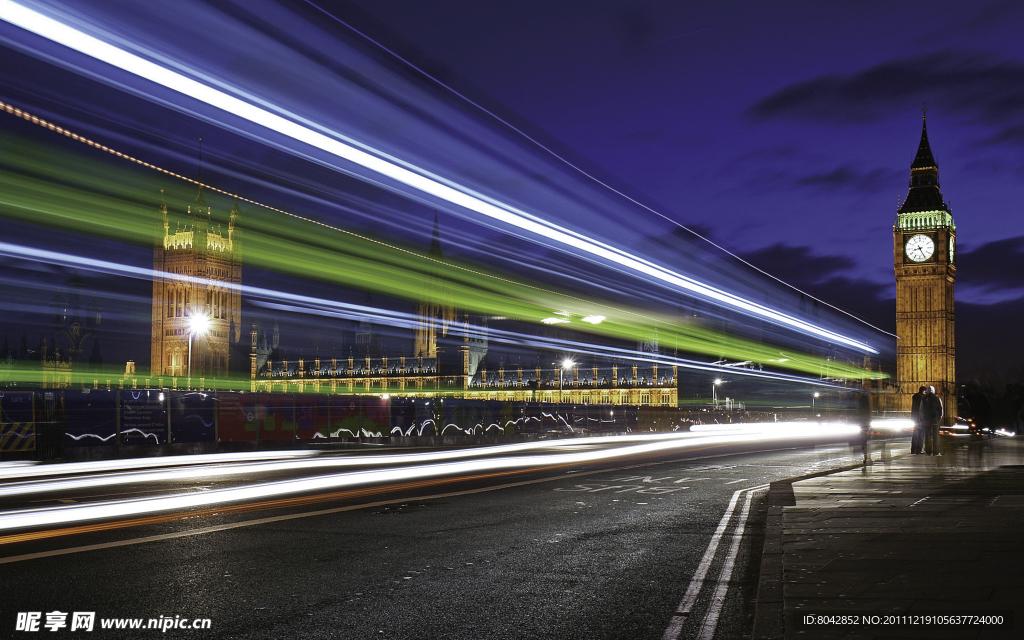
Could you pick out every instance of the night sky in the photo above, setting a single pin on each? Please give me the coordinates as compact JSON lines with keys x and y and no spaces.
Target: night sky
{"x":783,"y":133}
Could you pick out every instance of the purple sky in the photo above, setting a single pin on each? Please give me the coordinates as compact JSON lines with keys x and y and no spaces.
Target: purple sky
{"x":783,"y":132}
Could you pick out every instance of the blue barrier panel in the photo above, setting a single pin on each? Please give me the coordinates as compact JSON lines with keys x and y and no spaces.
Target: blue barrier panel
{"x":451,"y":416}
{"x":192,"y":416}
{"x":495,"y":424}
{"x":91,"y":417}
{"x":143,"y":417}
{"x":476,"y":418}
{"x":605,"y":416}
{"x":17,"y":421}
{"x":427,"y":417}
{"x":632,"y":418}
{"x":533,"y":419}
{"x":403,"y":417}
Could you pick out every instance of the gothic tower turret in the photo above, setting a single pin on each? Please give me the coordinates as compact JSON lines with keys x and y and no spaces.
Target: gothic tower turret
{"x":196,"y":294}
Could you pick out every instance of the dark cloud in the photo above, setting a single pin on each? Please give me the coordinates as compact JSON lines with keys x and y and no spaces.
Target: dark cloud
{"x":994,"y":14}
{"x":798,"y":266}
{"x":977,"y":85}
{"x":783,"y":167}
{"x":848,"y":177}
{"x":989,"y":342}
{"x":1013,"y":134}
{"x":870,"y":301}
{"x":993,"y":266}
{"x":758,"y":156}
{"x":823,"y":277}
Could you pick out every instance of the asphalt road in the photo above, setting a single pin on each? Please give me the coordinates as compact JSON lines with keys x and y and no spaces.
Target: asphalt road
{"x":606,"y":549}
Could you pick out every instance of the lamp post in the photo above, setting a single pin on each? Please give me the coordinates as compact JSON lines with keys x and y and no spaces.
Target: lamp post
{"x":566,"y":365}
{"x":197,"y":324}
{"x":714,"y":392}
{"x":813,"y":398}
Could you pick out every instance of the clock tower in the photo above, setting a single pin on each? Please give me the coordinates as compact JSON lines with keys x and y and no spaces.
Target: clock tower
{"x":924,"y":242}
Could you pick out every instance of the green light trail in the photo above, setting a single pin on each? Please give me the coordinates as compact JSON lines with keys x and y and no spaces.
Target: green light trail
{"x":53,"y":188}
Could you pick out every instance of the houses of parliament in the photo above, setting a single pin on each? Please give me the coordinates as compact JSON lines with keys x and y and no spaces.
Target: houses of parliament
{"x":198,"y":275}
{"x":198,"y":267}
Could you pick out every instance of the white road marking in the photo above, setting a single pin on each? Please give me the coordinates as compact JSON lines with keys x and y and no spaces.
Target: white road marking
{"x":682,"y":612}
{"x":707,"y":629}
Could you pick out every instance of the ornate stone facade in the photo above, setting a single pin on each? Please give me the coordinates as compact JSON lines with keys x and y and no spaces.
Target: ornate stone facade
{"x":203,"y":267}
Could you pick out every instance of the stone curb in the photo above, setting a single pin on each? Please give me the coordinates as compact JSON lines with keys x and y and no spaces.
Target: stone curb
{"x":769,"y":618}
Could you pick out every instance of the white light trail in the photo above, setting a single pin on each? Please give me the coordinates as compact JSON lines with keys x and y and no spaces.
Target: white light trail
{"x":392,"y":168}
{"x":323,"y":306}
{"x":66,"y":514}
{"x":221,"y":465}
{"x":33,"y":470}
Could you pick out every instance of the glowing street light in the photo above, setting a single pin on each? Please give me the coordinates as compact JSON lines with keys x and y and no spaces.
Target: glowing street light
{"x":813,"y":398}
{"x":714,"y":391}
{"x":198,"y":324}
{"x":567,"y":364}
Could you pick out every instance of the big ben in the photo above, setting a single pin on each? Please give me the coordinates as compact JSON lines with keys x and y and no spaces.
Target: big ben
{"x":924,"y":251}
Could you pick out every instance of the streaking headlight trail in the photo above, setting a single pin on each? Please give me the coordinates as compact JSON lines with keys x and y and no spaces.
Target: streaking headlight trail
{"x":223,"y":465}
{"x":67,"y":514}
{"x":272,"y":298}
{"x":395,"y":169}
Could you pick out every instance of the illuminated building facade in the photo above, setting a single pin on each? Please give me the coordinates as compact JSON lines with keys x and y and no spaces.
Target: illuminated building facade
{"x":204,"y":264}
{"x":647,"y":385}
{"x":924,"y":250}
{"x":449,"y":358}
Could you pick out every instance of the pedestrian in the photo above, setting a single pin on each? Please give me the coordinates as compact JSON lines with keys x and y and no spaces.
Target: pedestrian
{"x":917,"y":439}
{"x":931,"y":416}
{"x":864,"y":420}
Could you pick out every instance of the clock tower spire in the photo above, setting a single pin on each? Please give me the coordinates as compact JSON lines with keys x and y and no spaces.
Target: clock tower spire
{"x":924,"y":238}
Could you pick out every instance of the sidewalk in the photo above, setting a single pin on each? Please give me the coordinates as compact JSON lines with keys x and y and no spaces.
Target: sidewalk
{"x":912,"y":535}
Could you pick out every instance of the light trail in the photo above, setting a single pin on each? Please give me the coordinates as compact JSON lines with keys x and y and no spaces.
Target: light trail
{"x":257,"y":506}
{"x":68,"y":514}
{"x":548,"y":150}
{"x":395,"y":169}
{"x":203,"y":469}
{"x":693,"y":338}
{"x":35,"y":470}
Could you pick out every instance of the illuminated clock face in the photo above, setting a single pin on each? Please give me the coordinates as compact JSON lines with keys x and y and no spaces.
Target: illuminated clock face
{"x":920,"y":247}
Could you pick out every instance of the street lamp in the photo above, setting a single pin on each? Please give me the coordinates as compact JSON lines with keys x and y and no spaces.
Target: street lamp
{"x":714,"y":392}
{"x":198,"y":324}
{"x":566,"y":365}
{"x":813,"y":398}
